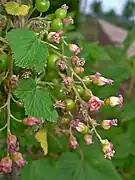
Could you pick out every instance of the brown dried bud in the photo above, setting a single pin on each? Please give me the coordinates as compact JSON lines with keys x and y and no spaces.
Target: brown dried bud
{"x":14,"y":81}
{"x":61,"y":64}
{"x":26,"y":75}
{"x":67,"y":81}
{"x":60,"y":104}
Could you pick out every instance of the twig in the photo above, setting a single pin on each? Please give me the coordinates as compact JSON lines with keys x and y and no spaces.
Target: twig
{"x":4,"y":127}
{"x":18,"y":120}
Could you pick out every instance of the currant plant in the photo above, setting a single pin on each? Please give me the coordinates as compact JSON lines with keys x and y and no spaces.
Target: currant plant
{"x":39,"y":77}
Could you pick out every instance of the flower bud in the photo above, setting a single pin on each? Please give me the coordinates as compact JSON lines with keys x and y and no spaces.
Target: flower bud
{"x":74,"y":59}
{"x":66,"y":132}
{"x":74,"y":48}
{"x":73,"y":142}
{"x":82,"y":128}
{"x":18,"y":160}
{"x":95,"y":103}
{"x":68,"y":20}
{"x":88,"y":139}
{"x":55,"y":36}
{"x":99,"y":80}
{"x":57,"y":131}
{"x":114,"y":101}
{"x":12,"y":143}
{"x":31,"y":121}
{"x":107,"y":148}
{"x":6,"y":165}
{"x":79,"y":70}
{"x":106,"y":124}
{"x":67,"y":81}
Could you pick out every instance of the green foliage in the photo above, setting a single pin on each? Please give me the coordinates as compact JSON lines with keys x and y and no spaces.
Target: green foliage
{"x":88,"y":163}
{"x":37,"y":102}
{"x":129,"y":39}
{"x":28,"y":51}
{"x":40,"y":169}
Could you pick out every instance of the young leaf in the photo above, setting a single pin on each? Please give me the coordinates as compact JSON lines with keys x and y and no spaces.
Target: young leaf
{"x":91,"y":166}
{"x":41,"y":137}
{"x":30,"y":53}
{"x":23,"y":10}
{"x":37,"y":101}
{"x":14,"y":8}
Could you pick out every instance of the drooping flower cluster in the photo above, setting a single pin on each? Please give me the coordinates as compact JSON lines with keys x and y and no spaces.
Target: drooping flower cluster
{"x":13,"y":157}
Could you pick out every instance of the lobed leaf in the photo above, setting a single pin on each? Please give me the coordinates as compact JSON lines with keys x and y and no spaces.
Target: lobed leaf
{"x":28,"y":51}
{"x":37,"y":102}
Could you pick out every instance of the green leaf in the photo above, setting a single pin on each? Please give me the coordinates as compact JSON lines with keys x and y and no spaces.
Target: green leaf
{"x":90,"y":166}
{"x":122,"y":144}
{"x":30,"y":52}
{"x":37,"y":102}
{"x":37,"y":170}
{"x":115,"y":53}
{"x":129,"y":40}
{"x":128,"y":112}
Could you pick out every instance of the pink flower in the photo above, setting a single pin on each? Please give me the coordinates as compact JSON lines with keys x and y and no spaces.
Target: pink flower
{"x":95,"y":103}
{"x":68,"y":20}
{"x":88,"y":139}
{"x":55,"y":36}
{"x":73,"y":142}
{"x":18,"y":160}
{"x":99,"y":80}
{"x":107,"y":148}
{"x":106,"y":124}
{"x":6,"y":165}
{"x":114,"y":101}
{"x":12,"y":143}
{"x":82,"y":128}
{"x":31,"y":121}
{"x":74,"y":48}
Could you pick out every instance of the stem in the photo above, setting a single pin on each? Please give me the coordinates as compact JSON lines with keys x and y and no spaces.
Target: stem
{"x":81,"y":154}
{"x":3,"y":40}
{"x":78,"y":77}
{"x":14,"y":99}
{"x":51,"y":45}
{"x":62,"y":48}
{"x":3,"y":106}
{"x":30,"y":13}
{"x":98,"y":136}
{"x":4,"y":127}
{"x":8,"y":113}
{"x":56,"y":140}
{"x":18,"y":120}
{"x":56,"y":52}
{"x":9,"y":97}
{"x":42,"y":83}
